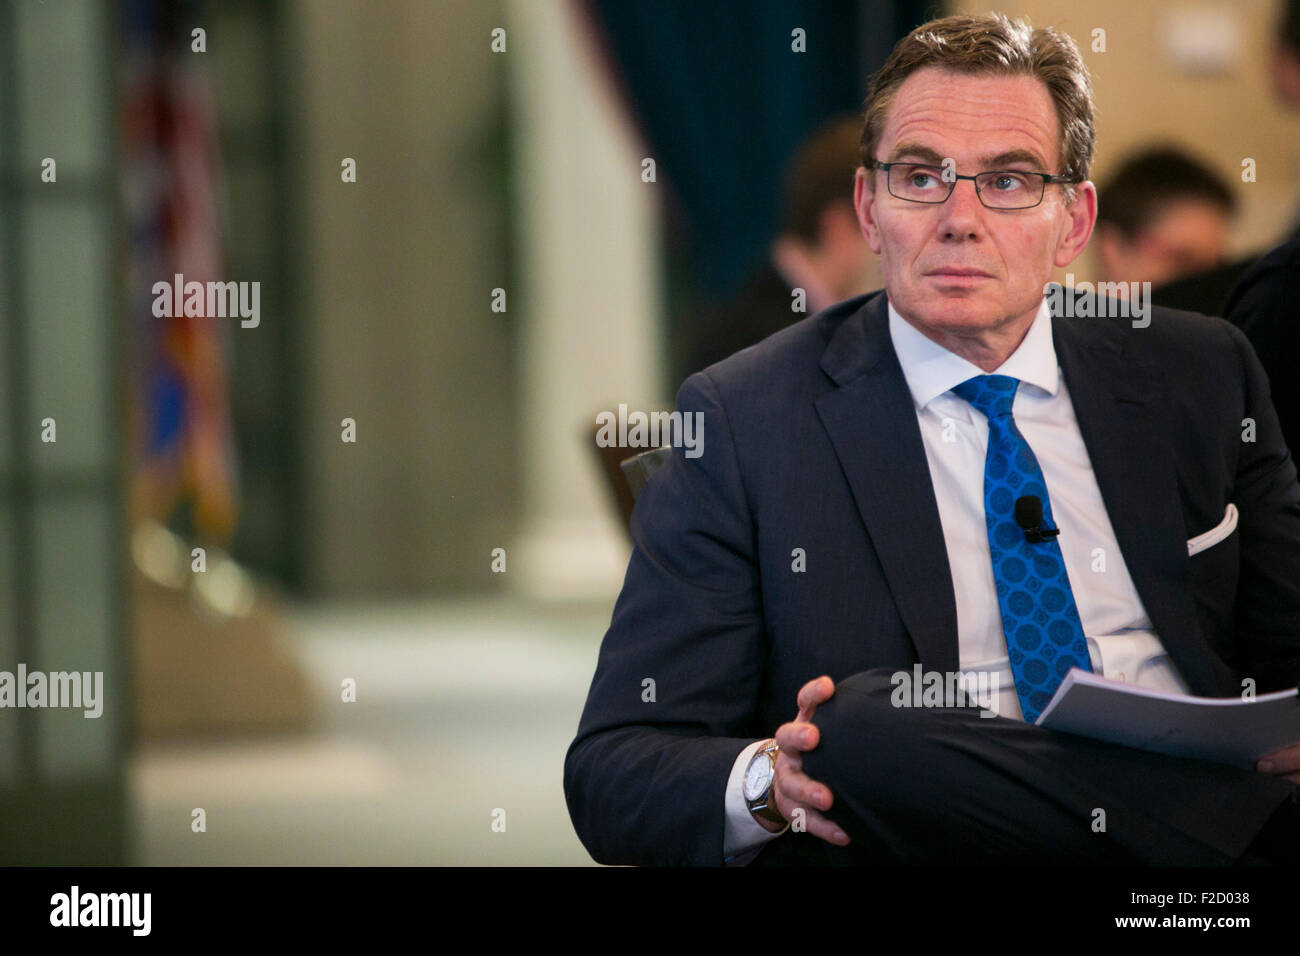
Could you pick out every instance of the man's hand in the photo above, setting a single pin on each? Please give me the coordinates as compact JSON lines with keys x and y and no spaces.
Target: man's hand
{"x":791,"y":787}
{"x":1284,"y":763}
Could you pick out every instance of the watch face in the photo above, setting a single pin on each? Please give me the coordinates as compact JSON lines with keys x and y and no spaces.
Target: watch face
{"x":757,"y":777}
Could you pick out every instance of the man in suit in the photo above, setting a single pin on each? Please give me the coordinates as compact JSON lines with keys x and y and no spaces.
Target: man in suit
{"x":851,"y":519}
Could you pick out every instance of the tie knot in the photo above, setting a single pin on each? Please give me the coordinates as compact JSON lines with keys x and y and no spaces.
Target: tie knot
{"x":991,"y":394}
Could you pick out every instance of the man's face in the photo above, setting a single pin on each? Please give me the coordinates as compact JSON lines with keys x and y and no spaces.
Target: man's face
{"x":1286,"y":76}
{"x":1186,"y":237}
{"x":958,"y":270}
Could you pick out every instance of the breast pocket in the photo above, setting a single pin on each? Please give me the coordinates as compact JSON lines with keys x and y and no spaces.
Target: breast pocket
{"x":1213,"y":558}
{"x":1216,"y":535}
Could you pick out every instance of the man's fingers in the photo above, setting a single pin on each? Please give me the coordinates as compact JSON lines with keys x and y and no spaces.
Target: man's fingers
{"x":804,"y":790}
{"x":792,"y":788}
{"x":796,"y":736}
{"x":1286,"y":760}
{"x":819,"y":826}
{"x":812,"y":820}
{"x":815,"y":692}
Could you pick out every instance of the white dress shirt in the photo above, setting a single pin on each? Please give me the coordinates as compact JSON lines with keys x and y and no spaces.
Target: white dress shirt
{"x":1120,"y":640}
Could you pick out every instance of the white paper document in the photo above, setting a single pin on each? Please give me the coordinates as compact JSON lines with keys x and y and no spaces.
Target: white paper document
{"x":1229,"y":730}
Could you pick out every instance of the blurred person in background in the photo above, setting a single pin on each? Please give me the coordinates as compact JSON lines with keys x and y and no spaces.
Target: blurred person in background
{"x":1264,"y":307}
{"x":1208,"y":291}
{"x":1262,"y":304}
{"x":1285,"y":71}
{"x":820,"y":250}
{"x":1162,"y":216}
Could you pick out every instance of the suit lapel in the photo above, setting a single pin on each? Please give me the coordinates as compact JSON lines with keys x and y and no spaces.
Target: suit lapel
{"x":872,"y":425}
{"x":1115,"y":400}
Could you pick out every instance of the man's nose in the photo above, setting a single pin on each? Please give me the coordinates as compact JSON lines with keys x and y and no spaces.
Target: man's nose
{"x":961,"y":215}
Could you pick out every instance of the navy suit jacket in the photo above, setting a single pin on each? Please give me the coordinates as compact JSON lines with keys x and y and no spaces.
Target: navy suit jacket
{"x":812,"y":442}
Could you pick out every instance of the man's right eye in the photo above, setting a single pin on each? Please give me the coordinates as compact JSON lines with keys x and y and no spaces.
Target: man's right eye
{"x":922,"y":177}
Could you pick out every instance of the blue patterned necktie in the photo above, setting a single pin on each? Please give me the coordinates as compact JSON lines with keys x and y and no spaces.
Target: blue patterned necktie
{"x":1039,"y":618}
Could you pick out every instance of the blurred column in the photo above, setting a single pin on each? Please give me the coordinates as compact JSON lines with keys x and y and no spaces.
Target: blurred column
{"x":588,"y":233}
{"x":396,"y":273}
{"x":62,"y":551}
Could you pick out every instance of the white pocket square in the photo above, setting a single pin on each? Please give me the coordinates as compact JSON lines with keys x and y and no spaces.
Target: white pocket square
{"x":1216,"y":534}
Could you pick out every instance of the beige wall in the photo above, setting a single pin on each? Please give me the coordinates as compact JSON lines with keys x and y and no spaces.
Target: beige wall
{"x":1143,"y":96}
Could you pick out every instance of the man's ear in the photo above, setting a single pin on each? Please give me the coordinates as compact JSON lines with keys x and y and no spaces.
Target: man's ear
{"x":864,"y":194}
{"x":1080,"y":218}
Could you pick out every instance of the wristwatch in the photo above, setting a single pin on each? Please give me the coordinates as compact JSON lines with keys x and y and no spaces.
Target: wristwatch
{"x":758,"y":784}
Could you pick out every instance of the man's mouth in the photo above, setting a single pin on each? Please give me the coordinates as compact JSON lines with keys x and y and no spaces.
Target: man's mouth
{"x":959,"y":272}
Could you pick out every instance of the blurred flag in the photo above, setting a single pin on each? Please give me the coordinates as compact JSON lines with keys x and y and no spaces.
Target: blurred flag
{"x":180,"y":422}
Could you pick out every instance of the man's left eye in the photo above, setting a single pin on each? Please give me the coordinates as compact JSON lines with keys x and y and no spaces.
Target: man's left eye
{"x":1005,"y":182}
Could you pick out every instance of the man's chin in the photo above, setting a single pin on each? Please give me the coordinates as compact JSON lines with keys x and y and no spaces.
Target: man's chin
{"x":957,"y":312}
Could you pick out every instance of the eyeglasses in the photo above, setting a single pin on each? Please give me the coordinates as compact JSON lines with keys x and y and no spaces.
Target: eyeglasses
{"x":998,"y":189}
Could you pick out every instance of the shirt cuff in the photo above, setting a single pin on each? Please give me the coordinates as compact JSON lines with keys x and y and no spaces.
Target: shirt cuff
{"x":744,"y":835}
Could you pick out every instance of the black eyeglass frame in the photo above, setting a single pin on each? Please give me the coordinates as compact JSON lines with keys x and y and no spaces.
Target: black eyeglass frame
{"x":1048,"y":179}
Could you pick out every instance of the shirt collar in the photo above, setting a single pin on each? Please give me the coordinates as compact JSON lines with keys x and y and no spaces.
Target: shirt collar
{"x":930,"y":369}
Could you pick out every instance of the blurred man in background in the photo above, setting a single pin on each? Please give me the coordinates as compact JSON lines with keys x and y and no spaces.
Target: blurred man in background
{"x":820,"y":250}
{"x":1263,"y":303}
{"x":1162,"y":216}
{"x":1263,"y":306}
{"x":1285,"y":71}
{"x":1208,"y":290}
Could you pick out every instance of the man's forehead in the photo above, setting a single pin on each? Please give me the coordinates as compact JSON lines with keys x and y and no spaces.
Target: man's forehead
{"x":918,"y":150}
{"x":987,"y":116}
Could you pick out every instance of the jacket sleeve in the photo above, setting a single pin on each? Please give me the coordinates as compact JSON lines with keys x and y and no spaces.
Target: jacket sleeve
{"x":678,"y":674}
{"x":1267,"y":614}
